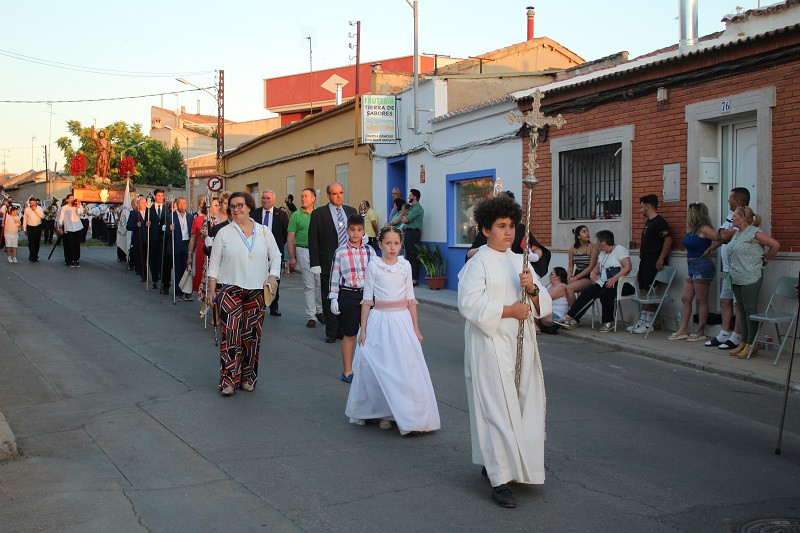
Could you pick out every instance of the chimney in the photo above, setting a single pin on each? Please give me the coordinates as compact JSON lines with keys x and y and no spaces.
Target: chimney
{"x":338,"y":93}
{"x":198,"y":106}
{"x":688,"y":25}
{"x":183,"y":110}
{"x":531,"y":13}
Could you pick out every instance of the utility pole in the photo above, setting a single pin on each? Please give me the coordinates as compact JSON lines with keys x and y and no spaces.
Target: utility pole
{"x":311,"y":76}
{"x":46,"y":170}
{"x":357,"y":103}
{"x":414,"y":6}
{"x":220,"y":122}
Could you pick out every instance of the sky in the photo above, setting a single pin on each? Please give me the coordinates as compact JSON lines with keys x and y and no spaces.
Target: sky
{"x":148,"y":44}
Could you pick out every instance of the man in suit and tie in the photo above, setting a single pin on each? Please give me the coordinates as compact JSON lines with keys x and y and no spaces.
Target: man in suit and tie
{"x":177,"y":234}
{"x":158,"y":217}
{"x":278,"y":222}
{"x":138,"y":223}
{"x":326,"y":232}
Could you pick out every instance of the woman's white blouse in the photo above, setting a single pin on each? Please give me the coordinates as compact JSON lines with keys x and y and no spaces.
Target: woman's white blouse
{"x":232,"y":263}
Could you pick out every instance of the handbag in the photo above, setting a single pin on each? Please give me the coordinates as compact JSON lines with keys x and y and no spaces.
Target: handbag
{"x":186,"y":284}
{"x":269,"y":296}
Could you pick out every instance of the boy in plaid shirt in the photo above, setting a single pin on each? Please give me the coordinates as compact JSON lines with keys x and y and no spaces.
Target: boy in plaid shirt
{"x":348,"y":271}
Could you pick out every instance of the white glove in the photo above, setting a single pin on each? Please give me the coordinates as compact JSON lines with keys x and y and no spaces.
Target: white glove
{"x":335,"y":307}
{"x":316,"y":270}
{"x":209,"y":242}
{"x":533,"y":257}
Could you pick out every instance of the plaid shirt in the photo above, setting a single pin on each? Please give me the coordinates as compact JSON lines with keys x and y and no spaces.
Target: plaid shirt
{"x":349,"y":267}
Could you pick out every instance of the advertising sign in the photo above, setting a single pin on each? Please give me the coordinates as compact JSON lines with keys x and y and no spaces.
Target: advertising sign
{"x":378,"y":119}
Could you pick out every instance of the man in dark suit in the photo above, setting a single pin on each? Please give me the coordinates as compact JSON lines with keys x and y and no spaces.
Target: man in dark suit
{"x":177,"y":234}
{"x":278,"y":223}
{"x":326,"y":232}
{"x":158,"y":216}
{"x":138,"y":223}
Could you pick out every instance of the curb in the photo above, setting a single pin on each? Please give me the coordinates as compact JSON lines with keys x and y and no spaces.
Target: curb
{"x":8,"y":444}
{"x":712,"y":368}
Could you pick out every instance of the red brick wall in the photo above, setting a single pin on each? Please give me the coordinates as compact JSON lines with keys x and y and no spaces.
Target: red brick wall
{"x":660,"y":138}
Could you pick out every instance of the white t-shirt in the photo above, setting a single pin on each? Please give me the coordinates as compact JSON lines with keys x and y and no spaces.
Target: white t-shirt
{"x":723,"y":250}
{"x":610,"y":260}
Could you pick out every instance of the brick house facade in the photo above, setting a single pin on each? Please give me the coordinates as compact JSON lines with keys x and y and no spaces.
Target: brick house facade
{"x":732,"y":103}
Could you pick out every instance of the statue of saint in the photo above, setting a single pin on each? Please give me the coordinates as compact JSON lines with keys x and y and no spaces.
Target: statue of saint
{"x":103,"y":164}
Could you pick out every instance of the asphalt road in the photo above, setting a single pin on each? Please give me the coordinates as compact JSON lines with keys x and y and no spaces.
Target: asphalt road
{"x":111,"y":391}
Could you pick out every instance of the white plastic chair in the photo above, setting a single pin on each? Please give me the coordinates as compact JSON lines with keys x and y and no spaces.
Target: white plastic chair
{"x":664,"y":277}
{"x":785,"y":289}
{"x":630,"y":280}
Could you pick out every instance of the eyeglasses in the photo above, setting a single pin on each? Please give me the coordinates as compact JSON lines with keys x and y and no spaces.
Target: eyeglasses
{"x":237,"y":206}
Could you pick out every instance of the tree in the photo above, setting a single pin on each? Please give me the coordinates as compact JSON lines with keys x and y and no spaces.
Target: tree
{"x":155,"y":164}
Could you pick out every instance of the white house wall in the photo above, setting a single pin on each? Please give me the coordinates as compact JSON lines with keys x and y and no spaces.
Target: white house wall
{"x":476,"y":140}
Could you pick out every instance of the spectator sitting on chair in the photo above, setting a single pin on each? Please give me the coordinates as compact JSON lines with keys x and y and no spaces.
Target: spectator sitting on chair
{"x":582,"y":260}
{"x":613,"y":263}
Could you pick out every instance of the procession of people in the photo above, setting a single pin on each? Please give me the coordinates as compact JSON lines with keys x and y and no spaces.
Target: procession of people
{"x":358,"y":284}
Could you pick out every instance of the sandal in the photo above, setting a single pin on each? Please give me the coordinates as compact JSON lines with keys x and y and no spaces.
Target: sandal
{"x":696,"y":337}
{"x":677,"y":336}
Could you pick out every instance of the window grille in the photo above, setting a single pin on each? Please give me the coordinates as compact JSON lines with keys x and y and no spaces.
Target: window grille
{"x":590,"y":181}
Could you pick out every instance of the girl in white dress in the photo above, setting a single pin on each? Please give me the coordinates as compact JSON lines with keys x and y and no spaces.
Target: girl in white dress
{"x":391,"y":380}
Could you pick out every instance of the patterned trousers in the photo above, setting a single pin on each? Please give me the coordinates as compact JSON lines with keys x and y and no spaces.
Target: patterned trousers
{"x":241,"y":314}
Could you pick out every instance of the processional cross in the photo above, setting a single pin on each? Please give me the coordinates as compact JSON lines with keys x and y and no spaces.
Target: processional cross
{"x":534,"y":119}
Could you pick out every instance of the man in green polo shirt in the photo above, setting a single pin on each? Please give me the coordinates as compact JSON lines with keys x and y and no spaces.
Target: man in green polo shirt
{"x":412,"y":229}
{"x":297,"y":243}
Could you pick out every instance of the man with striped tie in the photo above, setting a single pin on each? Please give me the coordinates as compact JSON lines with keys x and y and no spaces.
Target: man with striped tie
{"x":326,"y":232}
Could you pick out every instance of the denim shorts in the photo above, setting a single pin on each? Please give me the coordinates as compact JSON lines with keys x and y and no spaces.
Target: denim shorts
{"x":701,"y":268}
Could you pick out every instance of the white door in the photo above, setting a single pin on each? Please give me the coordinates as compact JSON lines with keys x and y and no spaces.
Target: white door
{"x":745,"y":154}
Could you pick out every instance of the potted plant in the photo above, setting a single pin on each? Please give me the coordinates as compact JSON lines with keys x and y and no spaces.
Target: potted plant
{"x":435,"y":265}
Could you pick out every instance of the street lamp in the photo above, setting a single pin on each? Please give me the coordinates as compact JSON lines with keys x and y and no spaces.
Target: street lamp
{"x":189,"y":196}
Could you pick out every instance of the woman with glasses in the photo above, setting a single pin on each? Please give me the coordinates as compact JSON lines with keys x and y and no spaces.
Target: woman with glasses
{"x":244,"y":256}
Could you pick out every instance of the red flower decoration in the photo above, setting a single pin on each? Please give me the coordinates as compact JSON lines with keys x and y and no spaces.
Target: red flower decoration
{"x":126,"y":167}
{"x":78,"y":164}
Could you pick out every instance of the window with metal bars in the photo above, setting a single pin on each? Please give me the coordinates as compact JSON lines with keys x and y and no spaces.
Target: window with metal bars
{"x":589,"y":183}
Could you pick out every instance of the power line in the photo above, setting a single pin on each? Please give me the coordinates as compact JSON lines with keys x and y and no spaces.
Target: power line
{"x":99,"y":99}
{"x":97,"y":70}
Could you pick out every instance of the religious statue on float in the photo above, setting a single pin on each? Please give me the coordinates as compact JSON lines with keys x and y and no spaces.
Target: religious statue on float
{"x":102,"y":167}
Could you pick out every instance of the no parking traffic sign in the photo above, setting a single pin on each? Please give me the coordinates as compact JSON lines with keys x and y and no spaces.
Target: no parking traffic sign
{"x":214,"y":184}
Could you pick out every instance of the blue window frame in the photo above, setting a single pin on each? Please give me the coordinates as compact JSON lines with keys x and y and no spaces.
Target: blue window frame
{"x":464,"y":189}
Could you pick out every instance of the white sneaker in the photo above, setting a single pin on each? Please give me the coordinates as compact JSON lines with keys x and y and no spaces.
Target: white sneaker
{"x":385,"y":424}
{"x":636,"y":326}
{"x":9,"y":259}
{"x":644,"y":327}
{"x":15,"y":259}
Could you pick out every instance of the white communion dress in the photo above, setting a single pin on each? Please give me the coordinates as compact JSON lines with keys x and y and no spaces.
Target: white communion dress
{"x":391,"y":380}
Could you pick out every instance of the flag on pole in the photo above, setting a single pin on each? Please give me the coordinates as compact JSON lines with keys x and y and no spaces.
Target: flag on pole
{"x":123,"y":235}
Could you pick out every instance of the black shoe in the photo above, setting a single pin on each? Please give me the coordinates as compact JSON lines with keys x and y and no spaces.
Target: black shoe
{"x":155,"y":284}
{"x":484,"y":473}
{"x":330,"y":340}
{"x":713,"y":342}
{"x":503,"y":496}
{"x":320,"y":318}
{"x":274,"y":313}
{"x":727,"y":345}
{"x":311,"y":323}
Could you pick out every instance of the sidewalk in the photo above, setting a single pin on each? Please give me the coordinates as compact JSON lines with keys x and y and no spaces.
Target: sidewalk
{"x":758,"y":370}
